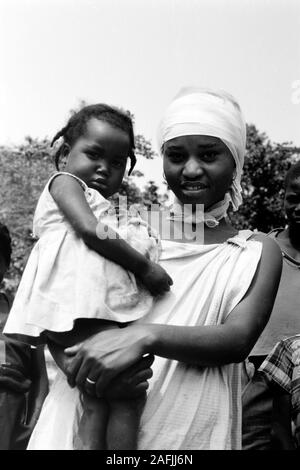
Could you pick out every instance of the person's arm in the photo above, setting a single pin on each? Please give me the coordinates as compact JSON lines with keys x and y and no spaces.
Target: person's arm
{"x":108,"y":353}
{"x":39,"y":385}
{"x":69,"y":197}
{"x":281,"y":431}
{"x":233,"y":340}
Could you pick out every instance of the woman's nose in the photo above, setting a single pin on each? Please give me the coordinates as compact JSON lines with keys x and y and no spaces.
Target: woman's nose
{"x":192,"y":168}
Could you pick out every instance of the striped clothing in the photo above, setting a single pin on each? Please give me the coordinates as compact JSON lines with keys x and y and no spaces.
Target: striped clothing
{"x":282,"y":366}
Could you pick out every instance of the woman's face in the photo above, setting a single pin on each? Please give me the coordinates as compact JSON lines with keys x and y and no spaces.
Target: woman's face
{"x":198,"y":168}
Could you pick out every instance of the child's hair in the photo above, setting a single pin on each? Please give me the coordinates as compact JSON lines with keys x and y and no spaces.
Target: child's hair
{"x":5,"y":244}
{"x":292,"y":174}
{"x":76,"y":126}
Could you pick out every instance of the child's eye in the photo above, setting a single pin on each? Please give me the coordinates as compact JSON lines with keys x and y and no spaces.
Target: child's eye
{"x":92,"y":155}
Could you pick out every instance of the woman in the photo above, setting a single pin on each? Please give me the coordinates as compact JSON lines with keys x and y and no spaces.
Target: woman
{"x":221,"y":299}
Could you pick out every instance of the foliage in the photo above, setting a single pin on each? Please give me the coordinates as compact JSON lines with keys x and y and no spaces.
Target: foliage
{"x":266,"y":164}
{"x":25,"y":169}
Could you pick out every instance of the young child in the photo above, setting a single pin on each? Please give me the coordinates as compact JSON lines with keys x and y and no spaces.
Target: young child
{"x":77,"y":281}
{"x":282,"y":370}
{"x":23,"y":376}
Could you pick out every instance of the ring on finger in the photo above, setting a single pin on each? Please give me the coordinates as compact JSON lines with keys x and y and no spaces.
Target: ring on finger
{"x":91,"y":382}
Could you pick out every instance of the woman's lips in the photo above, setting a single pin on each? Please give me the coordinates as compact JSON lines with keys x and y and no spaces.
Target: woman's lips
{"x":193,"y":186}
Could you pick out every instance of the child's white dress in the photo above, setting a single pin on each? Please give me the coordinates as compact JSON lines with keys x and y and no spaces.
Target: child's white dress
{"x":64,"y":280}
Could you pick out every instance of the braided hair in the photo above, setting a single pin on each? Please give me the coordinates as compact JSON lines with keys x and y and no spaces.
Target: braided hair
{"x":76,"y":126}
{"x":5,"y":243}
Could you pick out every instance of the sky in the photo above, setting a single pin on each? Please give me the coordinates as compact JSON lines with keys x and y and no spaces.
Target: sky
{"x":137,"y":54}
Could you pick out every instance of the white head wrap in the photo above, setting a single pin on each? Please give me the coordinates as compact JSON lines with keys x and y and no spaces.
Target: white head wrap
{"x":202,"y":111}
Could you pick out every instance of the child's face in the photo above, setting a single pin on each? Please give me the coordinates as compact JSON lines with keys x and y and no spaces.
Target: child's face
{"x":99,"y":157}
{"x":292,"y":202}
{"x":198,"y":168}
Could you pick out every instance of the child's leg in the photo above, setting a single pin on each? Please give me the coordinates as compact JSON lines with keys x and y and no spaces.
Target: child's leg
{"x":123,"y":423}
{"x":91,"y":434}
{"x":92,"y":431}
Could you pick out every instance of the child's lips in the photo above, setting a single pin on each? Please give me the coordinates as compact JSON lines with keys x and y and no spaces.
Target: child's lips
{"x":100,"y":182}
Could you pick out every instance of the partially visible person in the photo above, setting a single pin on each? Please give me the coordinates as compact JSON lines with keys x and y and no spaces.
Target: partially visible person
{"x":281,"y":369}
{"x":284,"y":322}
{"x":23,"y":376}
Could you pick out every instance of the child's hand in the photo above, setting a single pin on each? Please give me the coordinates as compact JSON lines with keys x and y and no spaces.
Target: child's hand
{"x":132,"y":383}
{"x":156,"y":279}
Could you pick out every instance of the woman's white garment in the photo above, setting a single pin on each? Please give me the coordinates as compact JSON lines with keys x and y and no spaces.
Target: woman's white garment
{"x":65,"y":280}
{"x":187,"y":407}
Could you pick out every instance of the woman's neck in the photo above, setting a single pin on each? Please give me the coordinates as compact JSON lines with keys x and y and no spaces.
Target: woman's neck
{"x":201,"y":235}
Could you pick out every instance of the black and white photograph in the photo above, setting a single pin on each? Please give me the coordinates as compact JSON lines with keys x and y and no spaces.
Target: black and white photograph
{"x":150,"y":228}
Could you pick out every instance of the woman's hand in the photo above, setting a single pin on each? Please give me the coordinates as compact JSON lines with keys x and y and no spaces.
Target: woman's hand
{"x":105,"y":355}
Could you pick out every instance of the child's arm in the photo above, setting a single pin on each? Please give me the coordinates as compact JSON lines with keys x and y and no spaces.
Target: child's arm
{"x":69,"y":197}
{"x":281,"y":432}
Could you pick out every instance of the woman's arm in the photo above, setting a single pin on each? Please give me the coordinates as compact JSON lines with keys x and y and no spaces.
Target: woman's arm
{"x":233,"y":340}
{"x":69,"y":197}
{"x":108,"y":353}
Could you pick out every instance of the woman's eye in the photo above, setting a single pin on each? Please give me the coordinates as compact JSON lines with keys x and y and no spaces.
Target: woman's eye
{"x":175,"y":157}
{"x":209,"y":157}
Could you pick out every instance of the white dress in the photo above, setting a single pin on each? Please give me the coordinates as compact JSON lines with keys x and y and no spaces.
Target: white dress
{"x":188,"y":407}
{"x":65,"y":280}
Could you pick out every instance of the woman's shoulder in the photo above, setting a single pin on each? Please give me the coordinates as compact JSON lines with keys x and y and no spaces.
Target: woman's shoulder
{"x":264,"y":238}
{"x":267,"y":242}
{"x":271,"y":252}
